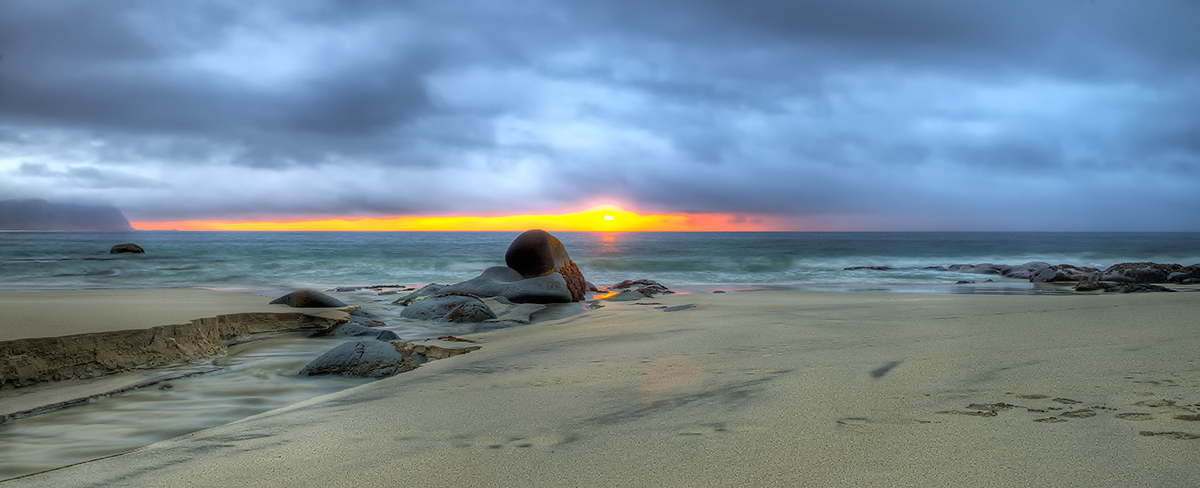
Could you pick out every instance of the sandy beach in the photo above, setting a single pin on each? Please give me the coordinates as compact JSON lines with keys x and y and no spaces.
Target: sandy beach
{"x":765,"y":388}
{"x":62,"y":346}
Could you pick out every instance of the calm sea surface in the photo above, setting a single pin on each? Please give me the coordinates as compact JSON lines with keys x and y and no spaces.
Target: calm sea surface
{"x":271,"y":261}
{"x":261,"y":375}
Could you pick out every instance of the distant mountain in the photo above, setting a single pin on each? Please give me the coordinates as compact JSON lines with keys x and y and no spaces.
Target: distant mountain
{"x":37,"y":214}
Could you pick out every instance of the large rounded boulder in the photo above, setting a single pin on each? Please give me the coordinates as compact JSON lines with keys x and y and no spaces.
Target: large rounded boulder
{"x":536,"y":253}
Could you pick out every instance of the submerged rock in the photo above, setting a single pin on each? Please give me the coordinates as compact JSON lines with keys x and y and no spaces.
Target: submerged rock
{"x":308,"y":299}
{"x":365,"y":359}
{"x":1110,"y":287}
{"x":127,"y":248}
{"x":449,"y":308}
{"x":536,"y":253}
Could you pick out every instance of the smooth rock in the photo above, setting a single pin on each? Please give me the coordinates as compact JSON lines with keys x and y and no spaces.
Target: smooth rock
{"x":1140,"y":272}
{"x":424,"y":291}
{"x":449,"y":308}
{"x":352,"y":329}
{"x":308,"y":299}
{"x":127,"y":248}
{"x":536,"y":253}
{"x":502,"y":281}
{"x":365,"y":359}
{"x":509,"y":313}
{"x":628,"y":296}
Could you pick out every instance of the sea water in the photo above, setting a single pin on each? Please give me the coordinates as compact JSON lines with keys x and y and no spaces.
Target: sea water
{"x":261,"y":376}
{"x":269,"y":262}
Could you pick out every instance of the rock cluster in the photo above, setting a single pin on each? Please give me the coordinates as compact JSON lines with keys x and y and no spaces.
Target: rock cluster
{"x":1089,"y":279}
{"x":631,"y":290}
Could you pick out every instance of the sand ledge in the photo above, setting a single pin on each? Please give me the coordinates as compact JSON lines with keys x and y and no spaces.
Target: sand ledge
{"x":26,"y":362}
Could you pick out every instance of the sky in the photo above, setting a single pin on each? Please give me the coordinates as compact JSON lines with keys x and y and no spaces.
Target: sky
{"x":874,"y":115}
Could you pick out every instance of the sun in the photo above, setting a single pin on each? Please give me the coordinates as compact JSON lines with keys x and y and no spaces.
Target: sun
{"x":608,"y":217}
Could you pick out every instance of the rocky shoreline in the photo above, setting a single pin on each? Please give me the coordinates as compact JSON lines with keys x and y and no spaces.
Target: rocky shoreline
{"x":1122,"y":277}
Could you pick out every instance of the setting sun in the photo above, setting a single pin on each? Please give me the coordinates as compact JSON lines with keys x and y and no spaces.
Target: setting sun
{"x":603,"y":218}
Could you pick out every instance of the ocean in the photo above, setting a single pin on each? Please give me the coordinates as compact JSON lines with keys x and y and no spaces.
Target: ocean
{"x":270,"y":262}
{"x":262,"y":375}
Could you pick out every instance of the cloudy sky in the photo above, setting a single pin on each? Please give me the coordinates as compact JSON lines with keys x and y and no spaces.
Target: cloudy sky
{"x":829,"y":114}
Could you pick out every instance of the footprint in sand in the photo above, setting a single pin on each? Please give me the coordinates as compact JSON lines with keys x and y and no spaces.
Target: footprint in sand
{"x":1135,"y":416}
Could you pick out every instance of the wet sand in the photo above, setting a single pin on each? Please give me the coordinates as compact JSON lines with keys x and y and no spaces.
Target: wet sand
{"x":765,"y":388}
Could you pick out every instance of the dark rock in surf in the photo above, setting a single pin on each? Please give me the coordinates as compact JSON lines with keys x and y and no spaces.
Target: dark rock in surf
{"x":127,"y":248}
{"x":647,"y":287}
{"x":365,"y":359}
{"x":872,"y":268}
{"x":536,"y":253}
{"x":449,"y":308}
{"x":308,"y":299}
{"x":1063,"y":272}
{"x":1111,"y":287}
{"x":1140,"y":272}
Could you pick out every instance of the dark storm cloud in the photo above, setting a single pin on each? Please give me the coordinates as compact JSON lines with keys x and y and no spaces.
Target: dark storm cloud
{"x":860,"y":113}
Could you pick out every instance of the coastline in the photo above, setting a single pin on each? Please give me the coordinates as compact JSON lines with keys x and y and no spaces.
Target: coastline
{"x":774,"y":388}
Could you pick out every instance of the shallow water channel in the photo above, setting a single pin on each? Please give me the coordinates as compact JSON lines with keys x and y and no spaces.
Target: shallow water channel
{"x":254,"y":377}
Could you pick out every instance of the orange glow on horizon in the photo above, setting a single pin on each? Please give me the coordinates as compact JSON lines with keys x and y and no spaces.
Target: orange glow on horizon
{"x":603,"y":218}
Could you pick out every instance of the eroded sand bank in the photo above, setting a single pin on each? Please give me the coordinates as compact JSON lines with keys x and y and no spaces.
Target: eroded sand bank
{"x":58,"y":337}
{"x":769,"y":388}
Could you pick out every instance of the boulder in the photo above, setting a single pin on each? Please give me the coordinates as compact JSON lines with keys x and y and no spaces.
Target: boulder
{"x":1140,"y":272}
{"x":127,"y":248}
{"x":352,"y":329}
{"x":308,"y":299}
{"x":536,"y":253}
{"x":449,"y":308}
{"x":1062,"y":272}
{"x":365,"y":359}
